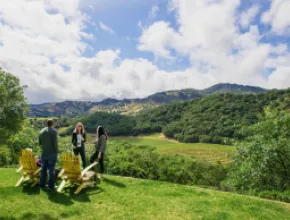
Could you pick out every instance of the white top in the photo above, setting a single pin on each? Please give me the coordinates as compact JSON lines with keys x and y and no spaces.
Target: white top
{"x":79,"y":140}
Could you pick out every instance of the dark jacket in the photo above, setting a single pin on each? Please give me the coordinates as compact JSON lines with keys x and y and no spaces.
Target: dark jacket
{"x":48,"y":142}
{"x":74,"y":139}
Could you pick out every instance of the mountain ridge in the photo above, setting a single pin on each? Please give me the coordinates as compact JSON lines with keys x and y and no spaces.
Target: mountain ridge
{"x":133,"y":106}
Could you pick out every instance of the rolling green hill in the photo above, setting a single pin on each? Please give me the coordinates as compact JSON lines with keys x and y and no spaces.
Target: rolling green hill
{"x":133,"y":106}
{"x":211,"y":119}
{"x":217,"y":118}
{"x":127,"y":198}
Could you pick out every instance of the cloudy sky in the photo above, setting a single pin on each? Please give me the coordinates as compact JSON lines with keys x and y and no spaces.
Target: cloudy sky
{"x":93,"y":49}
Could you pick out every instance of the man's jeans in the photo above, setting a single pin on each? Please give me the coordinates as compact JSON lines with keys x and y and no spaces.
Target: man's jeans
{"x":50,"y":166}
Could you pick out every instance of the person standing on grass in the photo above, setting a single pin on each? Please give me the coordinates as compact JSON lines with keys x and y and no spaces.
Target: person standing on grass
{"x":49,"y":148}
{"x":78,"y":142}
{"x":100,"y":144}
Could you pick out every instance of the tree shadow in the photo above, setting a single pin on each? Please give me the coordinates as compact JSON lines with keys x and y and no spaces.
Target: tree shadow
{"x":114,"y":183}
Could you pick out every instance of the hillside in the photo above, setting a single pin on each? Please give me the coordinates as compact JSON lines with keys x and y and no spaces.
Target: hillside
{"x":211,"y":119}
{"x":215,"y":119}
{"x":133,"y":106}
{"x":232,"y":88}
{"x":127,"y":198}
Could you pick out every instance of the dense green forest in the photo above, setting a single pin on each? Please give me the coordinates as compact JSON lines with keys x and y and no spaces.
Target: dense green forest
{"x":218,"y":118}
{"x":212,"y":119}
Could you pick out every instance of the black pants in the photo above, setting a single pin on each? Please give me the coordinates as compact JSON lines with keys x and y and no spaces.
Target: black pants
{"x":81,"y":151}
{"x":101,"y":161}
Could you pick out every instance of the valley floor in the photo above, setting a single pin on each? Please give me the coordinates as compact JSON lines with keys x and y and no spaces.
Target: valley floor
{"x":127,"y":198}
{"x":210,"y":152}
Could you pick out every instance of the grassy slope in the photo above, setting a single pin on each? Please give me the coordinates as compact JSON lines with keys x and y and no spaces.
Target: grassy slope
{"x":126,"y":198}
{"x":212,"y":152}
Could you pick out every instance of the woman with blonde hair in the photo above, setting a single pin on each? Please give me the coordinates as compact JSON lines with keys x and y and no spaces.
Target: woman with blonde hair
{"x":100,"y":144}
{"x":78,"y":140}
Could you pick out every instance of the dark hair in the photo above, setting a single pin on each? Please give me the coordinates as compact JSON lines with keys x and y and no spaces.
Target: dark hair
{"x":50,"y":122}
{"x":101,"y":131}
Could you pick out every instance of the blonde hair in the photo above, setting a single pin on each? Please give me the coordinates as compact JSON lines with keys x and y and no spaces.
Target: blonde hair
{"x":82,"y":130}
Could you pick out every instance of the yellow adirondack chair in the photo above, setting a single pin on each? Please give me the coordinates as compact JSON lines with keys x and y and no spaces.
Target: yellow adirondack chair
{"x":72,"y":172}
{"x":29,"y":167}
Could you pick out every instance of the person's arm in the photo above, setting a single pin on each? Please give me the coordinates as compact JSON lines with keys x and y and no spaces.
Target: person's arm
{"x":39,"y":138}
{"x":102,"y":140}
{"x":73,"y":140}
{"x":55,"y":142}
{"x":85,"y":137}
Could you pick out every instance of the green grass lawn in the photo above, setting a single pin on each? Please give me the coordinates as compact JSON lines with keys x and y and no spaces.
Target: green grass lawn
{"x":127,"y":198}
{"x":211,"y":152}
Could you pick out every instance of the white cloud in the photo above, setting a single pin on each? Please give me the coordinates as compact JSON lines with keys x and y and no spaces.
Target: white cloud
{"x":278,"y":16}
{"x":153,"y":12}
{"x":157,"y":39}
{"x":43,"y":43}
{"x":280,"y":77}
{"x":248,"y":16}
{"x":209,"y":35}
{"x":106,"y":28}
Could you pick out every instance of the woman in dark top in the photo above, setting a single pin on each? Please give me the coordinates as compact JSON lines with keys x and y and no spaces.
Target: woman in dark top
{"x":78,"y":140}
{"x":99,"y":154}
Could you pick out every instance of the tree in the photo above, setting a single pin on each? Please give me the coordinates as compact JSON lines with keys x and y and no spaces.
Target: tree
{"x":27,"y":137}
{"x":13,"y":105}
{"x":261,"y":161}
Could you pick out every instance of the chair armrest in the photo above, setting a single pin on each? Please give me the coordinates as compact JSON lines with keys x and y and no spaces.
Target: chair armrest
{"x":60,"y":173}
{"x":88,"y":168}
{"x":36,"y":171}
{"x":19,"y":169}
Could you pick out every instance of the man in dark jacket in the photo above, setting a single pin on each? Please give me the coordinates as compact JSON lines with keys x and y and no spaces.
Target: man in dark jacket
{"x":49,"y":147}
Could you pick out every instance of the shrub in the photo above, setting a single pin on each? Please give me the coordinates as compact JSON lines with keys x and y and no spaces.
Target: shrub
{"x":205,"y":139}
{"x":217,"y":140}
{"x":190,"y":139}
{"x":135,"y":161}
{"x":5,"y":156}
{"x":145,"y":162}
{"x":26,"y":138}
{"x":261,"y":161}
{"x":172,"y":130}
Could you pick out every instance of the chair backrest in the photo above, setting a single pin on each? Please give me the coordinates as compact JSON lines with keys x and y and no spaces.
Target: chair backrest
{"x":71,"y":165}
{"x":27,"y":161}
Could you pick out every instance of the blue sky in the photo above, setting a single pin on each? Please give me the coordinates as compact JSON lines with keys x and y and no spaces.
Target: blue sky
{"x":125,"y":19}
{"x":95,"y":49}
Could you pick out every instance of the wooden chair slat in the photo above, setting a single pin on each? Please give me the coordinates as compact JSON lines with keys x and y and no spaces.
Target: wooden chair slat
{"x":29,"y":167}
{"x":73,"y":173}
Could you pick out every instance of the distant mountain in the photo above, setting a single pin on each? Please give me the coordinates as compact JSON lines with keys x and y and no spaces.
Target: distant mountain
{"x":133,"y":106}
{"x":232,"y":88}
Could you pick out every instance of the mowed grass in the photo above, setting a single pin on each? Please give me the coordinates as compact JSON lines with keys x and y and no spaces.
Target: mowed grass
{"x":211,"y":152}
{"x":126,"y":198}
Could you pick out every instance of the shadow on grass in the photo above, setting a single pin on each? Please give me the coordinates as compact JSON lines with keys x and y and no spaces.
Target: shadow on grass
{"x":58,"y":198}
{"x":68,"y":197}
{"x":114,"y":183}
{"x":27,"y":189}
{"x":30,"y":215}
{"x":7,"y":218}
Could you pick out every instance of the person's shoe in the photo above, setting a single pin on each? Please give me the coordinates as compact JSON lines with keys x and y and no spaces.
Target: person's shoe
{"x":100,"y":176}
{"x":54,"y":188}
